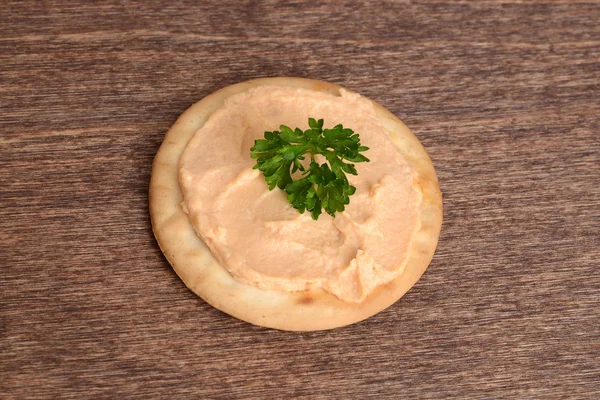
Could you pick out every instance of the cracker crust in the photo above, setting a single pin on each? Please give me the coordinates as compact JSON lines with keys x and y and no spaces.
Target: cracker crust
{"x":294,"y":311}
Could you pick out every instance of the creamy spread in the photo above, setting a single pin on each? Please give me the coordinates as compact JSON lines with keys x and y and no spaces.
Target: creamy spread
{"x":260,"y":238}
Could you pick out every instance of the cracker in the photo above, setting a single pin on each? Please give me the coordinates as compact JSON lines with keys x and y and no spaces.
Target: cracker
{"x":295,"y":311}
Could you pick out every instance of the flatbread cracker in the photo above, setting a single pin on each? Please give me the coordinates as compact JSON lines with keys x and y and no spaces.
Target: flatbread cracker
{"x":294,"y":311}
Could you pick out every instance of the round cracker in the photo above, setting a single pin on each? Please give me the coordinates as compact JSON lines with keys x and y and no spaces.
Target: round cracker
{"x":294,"y":311}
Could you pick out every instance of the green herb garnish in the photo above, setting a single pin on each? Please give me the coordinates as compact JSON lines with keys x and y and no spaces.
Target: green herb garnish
{"x":322,"y":186}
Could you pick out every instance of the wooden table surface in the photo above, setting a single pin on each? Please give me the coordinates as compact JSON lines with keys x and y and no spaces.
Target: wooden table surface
{"x":505,"y":96}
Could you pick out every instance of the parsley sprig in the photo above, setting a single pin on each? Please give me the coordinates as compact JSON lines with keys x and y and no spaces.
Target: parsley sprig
{"x":321,"y":186}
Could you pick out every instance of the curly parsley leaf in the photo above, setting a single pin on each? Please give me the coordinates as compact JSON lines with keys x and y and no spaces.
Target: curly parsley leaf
{"x":321,"y":186}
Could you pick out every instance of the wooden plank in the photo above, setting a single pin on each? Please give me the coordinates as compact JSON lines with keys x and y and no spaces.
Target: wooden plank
{"x":503,"y":94}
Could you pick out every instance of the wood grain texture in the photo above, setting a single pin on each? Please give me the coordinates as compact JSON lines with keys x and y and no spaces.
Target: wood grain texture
{"x":503,"y":94}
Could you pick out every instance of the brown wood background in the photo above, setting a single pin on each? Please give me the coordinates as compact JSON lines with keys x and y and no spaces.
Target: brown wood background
{"x":505,"y":96}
